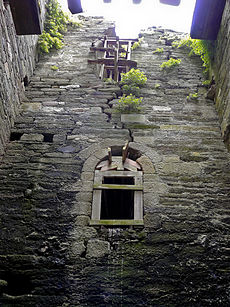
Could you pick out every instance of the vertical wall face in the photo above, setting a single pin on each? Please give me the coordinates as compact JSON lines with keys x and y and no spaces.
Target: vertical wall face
{"x":17,"y":61}
{"x":49,"y":253}
{"x":222,"y":68}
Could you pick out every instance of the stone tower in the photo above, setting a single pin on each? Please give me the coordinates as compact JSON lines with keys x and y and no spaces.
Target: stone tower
{"x":52,"y":253}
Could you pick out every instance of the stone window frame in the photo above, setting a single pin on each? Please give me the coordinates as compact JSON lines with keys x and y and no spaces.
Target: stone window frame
{"x":122,"y":171}
{"x":153,"y":186}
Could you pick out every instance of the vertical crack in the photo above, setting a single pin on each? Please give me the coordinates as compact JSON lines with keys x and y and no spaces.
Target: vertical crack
{"x":131,"y":135}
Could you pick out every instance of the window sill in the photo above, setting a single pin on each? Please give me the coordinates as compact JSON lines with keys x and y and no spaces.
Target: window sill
{"x":117,"y":222}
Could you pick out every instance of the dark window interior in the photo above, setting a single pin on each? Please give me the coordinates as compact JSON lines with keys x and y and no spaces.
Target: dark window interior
{"x":48,"y":137}
{"x":18,"y":284}
{"x":15,"y":136}
{"x":117,"y":204}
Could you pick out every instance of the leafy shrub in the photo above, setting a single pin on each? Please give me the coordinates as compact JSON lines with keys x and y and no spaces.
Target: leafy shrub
{"x":131,"y":89}
{"x":54,"y":28}
{"x":129,"y":104}
{"x":133,"y":77}
{"x":170,"y":64}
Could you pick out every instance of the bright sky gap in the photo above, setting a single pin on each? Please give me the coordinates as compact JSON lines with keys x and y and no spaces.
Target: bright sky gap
{"x":131,"y":18}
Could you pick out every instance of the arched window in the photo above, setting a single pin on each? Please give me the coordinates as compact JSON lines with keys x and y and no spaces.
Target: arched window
{"x":117,"y":191}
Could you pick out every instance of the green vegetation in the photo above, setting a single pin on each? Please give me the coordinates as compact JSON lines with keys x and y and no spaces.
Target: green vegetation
{"x":109,"y":81}
{"x":137,"y":44}
{"x":193,"y":96}
{"x":131,"y":89}
{"x":129,"y":104}
{"x":158,"y":50}
{"x":130,"y":85}
{"x":202,"y":48}
{"x":171,"y":63}
{"x":54,"y":67}
{"x":55,"y":26}
{"x":206,"y":82}
{"x":157,"y":85}
{"x":133,"y":77}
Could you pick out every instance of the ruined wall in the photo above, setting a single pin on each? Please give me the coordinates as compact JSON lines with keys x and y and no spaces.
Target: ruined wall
{"x":17,"y":62}
{"x":222,"y":76}
{"x":49,"y":254}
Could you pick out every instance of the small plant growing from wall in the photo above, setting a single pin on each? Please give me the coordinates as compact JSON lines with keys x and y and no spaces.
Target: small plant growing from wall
{"x":129,"y":104}
{"x":171,"y":63}
{"x":137,"y":44}
{"x":54,"y":67}
{"x":131,"y":89}
{"x":109,"y":81}
{"x":130,"y":83}
{"x":133,"y":77}
{"x":158,"y":51}
{"x":193,"y":97}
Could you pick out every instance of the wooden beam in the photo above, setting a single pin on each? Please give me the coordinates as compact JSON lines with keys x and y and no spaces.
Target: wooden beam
{"x":207,"y":18}
{"x":102,"y":49}
{"x":26,"y":16}
{"x":110,"y":155}
{"x":121,"y":62}
{"x":171,"y":2}
{"x":125,"y":152}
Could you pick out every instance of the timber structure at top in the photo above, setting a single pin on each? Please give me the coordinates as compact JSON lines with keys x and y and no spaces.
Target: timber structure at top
{"x":113,"y":57}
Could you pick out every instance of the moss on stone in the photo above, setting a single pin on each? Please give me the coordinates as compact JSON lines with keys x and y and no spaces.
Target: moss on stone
{"x":143,"y":126}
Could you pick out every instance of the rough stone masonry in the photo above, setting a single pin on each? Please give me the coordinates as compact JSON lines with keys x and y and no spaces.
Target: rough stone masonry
{"x":49,"y":255}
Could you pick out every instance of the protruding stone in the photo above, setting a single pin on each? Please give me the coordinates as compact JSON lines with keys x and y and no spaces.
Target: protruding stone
{"x":97,"y":248}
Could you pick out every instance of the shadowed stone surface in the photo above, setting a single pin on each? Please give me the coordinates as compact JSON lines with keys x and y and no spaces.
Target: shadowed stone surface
{"x":181,"y":255}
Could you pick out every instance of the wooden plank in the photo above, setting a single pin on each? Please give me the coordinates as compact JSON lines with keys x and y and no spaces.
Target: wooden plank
{"x":26,"y":16}
{"x":116,"y":58}
{"x":123,"y":40}
{"x":125,"y":151}
{"x":110,"y":155}
{"x":131,"y":165}
{"x":118,"y":187}
{"x":207,"y":18}
{"x":75,"y":6}
{"x":107,"y":61}
{"x":102,"y":49}
{"x":171,"y":2}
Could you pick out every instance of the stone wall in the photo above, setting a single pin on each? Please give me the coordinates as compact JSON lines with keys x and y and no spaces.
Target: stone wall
{"x":17,"y":62}
{"x":49,"y":254}
{"x":222,"y":76}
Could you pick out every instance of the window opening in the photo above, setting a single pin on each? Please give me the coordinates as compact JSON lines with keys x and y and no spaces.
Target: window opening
{"x":117,"y":204}
{"x":117,"y":194}
{"x":15,"y":136}
{"x":48,"y":137}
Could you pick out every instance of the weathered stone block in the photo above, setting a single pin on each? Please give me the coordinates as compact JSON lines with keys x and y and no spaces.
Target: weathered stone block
{"x":97,"y":248}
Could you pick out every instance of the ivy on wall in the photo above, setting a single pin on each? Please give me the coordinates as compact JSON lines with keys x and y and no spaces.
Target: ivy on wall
{"x":55,"y":26}
{"x":203,"y":48}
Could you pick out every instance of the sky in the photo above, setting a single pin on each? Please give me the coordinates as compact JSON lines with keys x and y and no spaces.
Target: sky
{"x":131,"y":18}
